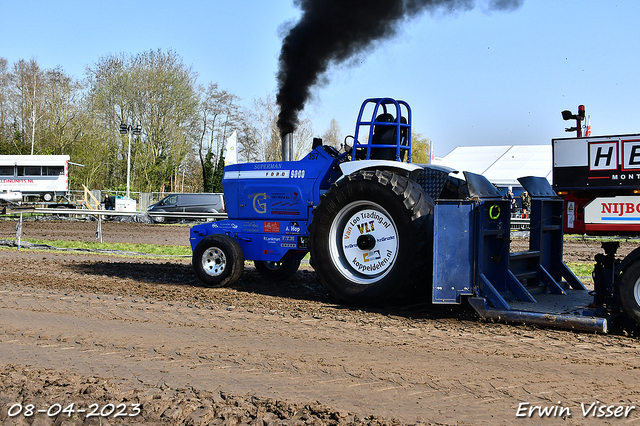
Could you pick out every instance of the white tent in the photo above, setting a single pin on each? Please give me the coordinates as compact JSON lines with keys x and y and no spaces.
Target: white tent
{"x":502,"y":165}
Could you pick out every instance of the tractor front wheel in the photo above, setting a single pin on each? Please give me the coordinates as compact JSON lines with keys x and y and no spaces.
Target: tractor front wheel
{"x":371,"y":236}
{"x":218,"y":261}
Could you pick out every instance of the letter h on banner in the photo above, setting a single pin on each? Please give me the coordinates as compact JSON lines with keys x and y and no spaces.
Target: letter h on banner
{"x":603,"y":156}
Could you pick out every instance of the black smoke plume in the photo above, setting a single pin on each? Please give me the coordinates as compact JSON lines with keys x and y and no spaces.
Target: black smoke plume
{"x":333,"y":31}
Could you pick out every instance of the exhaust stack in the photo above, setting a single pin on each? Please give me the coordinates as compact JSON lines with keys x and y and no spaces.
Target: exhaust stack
{"x":287,"y":147}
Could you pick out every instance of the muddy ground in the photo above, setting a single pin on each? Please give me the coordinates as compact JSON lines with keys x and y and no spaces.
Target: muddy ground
{"x":142,"y":334}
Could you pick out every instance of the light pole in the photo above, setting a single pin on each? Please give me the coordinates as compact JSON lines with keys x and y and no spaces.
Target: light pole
{"x":124,"y":129}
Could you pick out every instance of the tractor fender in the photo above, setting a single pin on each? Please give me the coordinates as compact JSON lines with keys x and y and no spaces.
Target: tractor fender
{"x":404,"y":169}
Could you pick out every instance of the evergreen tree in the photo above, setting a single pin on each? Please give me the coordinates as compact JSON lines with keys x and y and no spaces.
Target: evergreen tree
{"x":217,"y":174}
{"x":207,"y":173}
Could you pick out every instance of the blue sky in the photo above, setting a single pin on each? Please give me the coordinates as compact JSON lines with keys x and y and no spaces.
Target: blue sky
{"x":471,"y":78}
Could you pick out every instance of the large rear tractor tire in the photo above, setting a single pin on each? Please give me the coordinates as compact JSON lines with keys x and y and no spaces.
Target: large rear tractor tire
{"x":278,"y":271}
{"x":630,"y":292}
{"x":218,"y":261}
{"x":372,"y":237}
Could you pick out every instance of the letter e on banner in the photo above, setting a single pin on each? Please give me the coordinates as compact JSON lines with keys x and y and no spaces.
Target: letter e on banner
{"x":631,"y":155}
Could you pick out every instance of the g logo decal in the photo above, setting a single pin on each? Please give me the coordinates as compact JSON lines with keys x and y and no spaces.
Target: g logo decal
{"x":259,"y":204}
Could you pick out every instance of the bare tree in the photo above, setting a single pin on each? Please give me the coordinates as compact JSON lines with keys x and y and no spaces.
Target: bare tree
{"x":26,"y":99}
{"x":333,"y":135}
{"x":218,"y":117}
{"x":62,"y":101}
{"x":302,"y":138}
{"x":259,"y":136}
{"x":93,"y":147}
{"x":5,"y":123}
{"x":157,"y":91}
{"x":54,"y":121}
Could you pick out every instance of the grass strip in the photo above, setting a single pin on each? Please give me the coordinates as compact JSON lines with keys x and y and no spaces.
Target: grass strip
{"x":581,"y":270}
{"x":160,"y":250}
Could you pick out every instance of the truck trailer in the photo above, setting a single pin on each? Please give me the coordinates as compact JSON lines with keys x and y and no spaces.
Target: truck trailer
{"x":40,"y":177}
{"x":599,"y":179}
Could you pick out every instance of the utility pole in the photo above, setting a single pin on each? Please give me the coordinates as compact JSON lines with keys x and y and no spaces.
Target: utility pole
{"x":579,"y":117}
{"x":128,"y":129}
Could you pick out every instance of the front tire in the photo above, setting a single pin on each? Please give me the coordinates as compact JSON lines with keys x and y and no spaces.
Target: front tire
{"x":218,"y":261}
{"x":158,"y":219}
{"x":630,"y":292}
{"x":278,"y":271}
{"x":371,"y":237}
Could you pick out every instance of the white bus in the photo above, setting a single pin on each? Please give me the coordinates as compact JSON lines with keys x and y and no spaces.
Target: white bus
{"x":44,"y":177}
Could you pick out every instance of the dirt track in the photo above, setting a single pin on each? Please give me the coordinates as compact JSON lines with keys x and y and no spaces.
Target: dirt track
{"x":86,"y":328}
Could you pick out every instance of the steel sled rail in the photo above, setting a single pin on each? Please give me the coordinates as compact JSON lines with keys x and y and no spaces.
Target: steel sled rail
{"x":569,"y":322}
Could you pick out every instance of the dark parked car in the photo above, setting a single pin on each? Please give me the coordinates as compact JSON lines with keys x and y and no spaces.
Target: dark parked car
{"x":190,"y":203}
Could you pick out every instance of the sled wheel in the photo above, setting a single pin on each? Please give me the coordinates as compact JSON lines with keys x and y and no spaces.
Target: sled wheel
{"x":278,"y":271}
{"x":630,"y":292}
{"x":371,"y":236}
{"x":218,"y":261}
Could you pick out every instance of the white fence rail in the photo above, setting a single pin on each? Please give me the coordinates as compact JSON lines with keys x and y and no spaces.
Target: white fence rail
{"x":85,"y":212}
{"x":101,"y":214}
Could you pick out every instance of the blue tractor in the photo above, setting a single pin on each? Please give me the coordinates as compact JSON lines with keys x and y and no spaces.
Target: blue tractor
{"x":361,"y":214}
{"x":375,"y":224}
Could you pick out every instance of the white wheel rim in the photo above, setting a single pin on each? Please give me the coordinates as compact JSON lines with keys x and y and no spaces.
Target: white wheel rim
{"x":636,"y":292}
{"x":363,"y":263}
{"x":214,"y":261}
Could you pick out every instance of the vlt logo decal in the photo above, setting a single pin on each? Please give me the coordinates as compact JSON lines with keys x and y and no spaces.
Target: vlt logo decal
{"x":259,"y":202}
{"x":365,"y":227}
